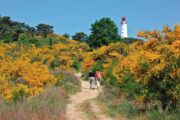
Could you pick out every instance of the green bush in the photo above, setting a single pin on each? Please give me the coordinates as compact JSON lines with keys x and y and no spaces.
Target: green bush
{"x":97,"y":66}
{"x":19,"y":96}
{"x":76,"y":65}
{"x":54,"y":63}
{"x":109,"y":78}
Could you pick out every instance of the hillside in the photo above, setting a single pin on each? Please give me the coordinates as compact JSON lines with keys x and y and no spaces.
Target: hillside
{"x":37,"y":74}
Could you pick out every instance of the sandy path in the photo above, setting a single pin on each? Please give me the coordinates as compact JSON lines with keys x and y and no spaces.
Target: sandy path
{"x":86,"y":94}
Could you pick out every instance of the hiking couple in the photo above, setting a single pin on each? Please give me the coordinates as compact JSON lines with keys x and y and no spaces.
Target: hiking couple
{"x":95,"y":78}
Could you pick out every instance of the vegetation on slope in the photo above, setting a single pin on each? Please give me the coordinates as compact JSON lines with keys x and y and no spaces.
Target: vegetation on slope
{"x":146,"y":73}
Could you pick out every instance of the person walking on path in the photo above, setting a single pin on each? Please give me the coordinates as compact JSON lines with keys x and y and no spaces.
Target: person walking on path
{"x":92,"y":79}
{"x":98,"y":78}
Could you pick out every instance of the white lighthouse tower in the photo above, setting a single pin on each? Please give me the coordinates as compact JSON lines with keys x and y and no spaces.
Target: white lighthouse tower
{"x":124,"y":30}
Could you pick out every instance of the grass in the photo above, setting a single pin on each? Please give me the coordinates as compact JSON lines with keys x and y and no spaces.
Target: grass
{"x":127,"y":110}
{"x":87,"y":110}
{"x":154,"y":115}
{"x":49,"y":105}
{"x":117,"y":106}
{"x":69,"y":82}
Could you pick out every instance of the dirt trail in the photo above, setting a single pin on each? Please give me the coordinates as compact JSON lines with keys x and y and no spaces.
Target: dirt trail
{"x":72,"y":111}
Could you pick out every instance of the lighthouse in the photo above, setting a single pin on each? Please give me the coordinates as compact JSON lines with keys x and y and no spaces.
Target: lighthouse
{"x":124,"y":30}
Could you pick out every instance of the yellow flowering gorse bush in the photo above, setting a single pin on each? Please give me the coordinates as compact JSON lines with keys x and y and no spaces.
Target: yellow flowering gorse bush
{"x":27,"y":70}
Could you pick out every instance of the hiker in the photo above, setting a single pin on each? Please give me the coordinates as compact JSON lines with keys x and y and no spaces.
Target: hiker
{"x":92,"y":79}
{"x":98,"y":78}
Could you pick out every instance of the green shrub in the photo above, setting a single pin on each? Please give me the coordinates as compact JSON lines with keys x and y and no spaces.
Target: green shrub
{"x":19,"y":96}
{"x":109,"y":78}
{"x":130,"y":88}
{"x":98,"y":66}
{"x":76,"y":65}
{"x":54,"y":63}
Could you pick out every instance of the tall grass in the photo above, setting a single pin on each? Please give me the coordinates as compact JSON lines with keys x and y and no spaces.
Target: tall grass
{"x":118,"y":106}
{"x":155,"y":115}
{"x":69,"y":82}
{"x":50,"y":105}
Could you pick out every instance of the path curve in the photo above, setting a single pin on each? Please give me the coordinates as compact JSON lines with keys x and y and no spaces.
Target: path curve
{"x":72,"y":111}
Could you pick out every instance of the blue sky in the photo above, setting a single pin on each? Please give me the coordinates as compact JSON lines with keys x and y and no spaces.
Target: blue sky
{"x":71,"y":16}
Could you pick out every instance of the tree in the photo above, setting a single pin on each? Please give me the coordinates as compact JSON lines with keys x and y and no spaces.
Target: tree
{"x":66,"y":35}
{"x":103,"y":32}
{"x":44,"y":29}
{"x":80,"y":36}
{"x":10,"y":30}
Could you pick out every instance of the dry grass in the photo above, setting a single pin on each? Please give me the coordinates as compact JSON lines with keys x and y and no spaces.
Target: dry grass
{"x":69,"y":82}
{"x":41,"y":114}
{"x":50,"y":105}
{"x":87,"y":110}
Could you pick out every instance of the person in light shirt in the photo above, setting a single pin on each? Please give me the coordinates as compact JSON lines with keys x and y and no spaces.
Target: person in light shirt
{"x":98,"y":78}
